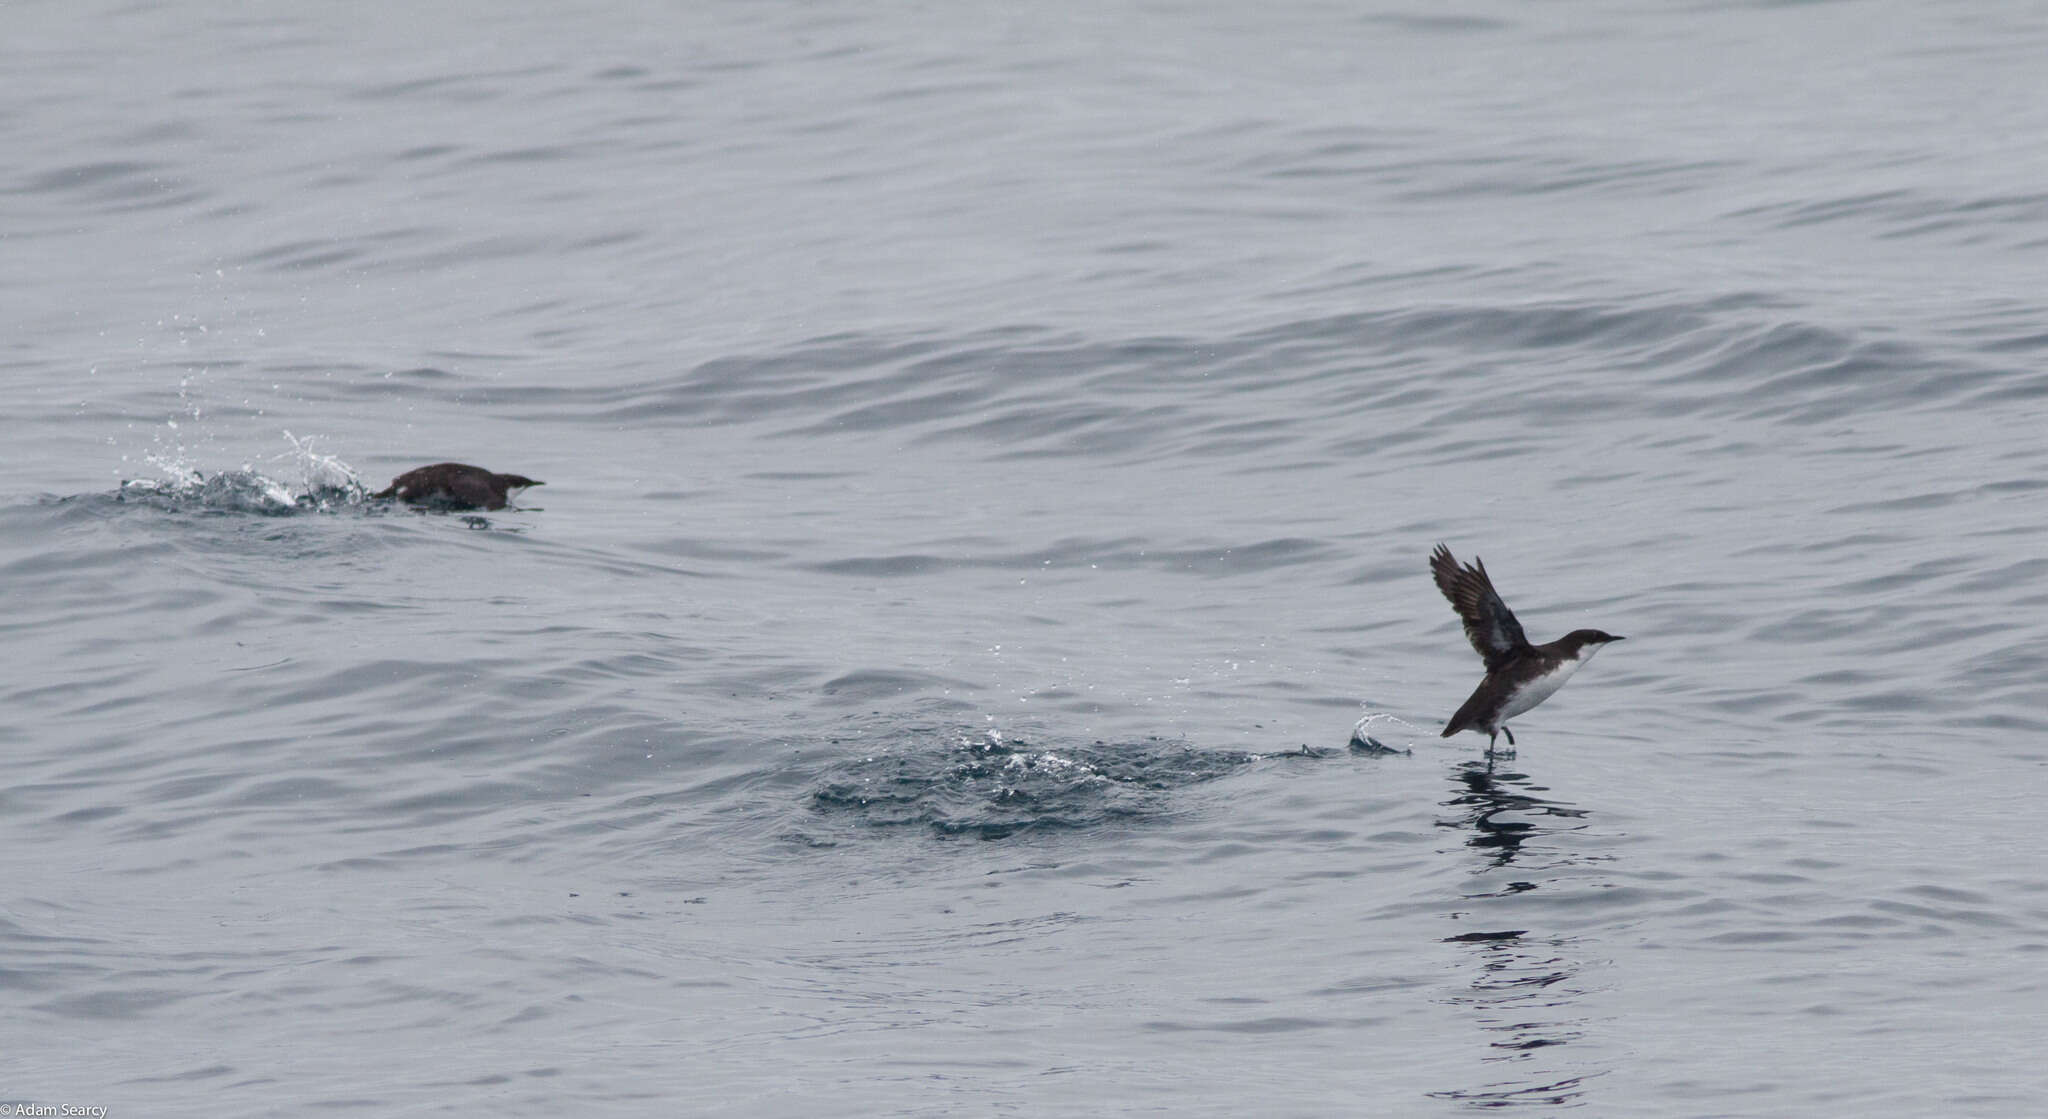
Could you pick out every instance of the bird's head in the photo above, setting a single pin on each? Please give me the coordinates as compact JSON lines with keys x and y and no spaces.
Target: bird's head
{"x":1586,"y":642}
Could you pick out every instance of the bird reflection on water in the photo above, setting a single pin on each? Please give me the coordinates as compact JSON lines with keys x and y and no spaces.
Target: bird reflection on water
{"x":1493,"y":805}
{"x":1525,"y":997}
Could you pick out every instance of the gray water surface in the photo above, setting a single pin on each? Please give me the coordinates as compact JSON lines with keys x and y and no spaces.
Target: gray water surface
{"x":992,"y":454}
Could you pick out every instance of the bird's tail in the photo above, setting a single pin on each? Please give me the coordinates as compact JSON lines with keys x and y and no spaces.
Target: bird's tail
{"x":1467,"y":718}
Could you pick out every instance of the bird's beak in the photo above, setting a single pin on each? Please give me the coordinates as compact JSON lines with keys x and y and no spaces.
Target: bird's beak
{"x":1612,"y":638}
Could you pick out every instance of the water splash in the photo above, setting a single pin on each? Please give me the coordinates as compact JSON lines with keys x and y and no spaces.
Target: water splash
{"x":991,"y":786}
{"x":310,"y":483}
{"x":1366,"y":734}
{"x":325,"y":478}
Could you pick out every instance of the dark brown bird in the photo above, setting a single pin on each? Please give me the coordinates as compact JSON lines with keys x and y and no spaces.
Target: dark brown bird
{"x":456,"y":486}
{"x":1518,"y":675}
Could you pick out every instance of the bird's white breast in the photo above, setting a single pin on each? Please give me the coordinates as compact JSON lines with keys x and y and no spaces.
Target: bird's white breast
{"x":1543,"y":687}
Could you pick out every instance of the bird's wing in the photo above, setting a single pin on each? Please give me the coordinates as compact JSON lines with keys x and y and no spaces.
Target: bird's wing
{"x":403,"y":485}
{"x":475,"y":489}
{"x":1489,"y":624}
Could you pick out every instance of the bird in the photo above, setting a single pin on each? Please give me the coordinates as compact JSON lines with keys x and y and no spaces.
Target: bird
{"x":455,"y":485}
{"x":1518,"y":675}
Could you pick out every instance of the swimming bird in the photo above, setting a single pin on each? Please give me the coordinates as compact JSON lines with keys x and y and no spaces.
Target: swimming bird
{"x":456,"y":485}
{"x":1518,"y":675}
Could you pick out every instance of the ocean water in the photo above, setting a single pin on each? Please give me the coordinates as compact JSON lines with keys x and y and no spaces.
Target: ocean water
{"x":991,"y":456}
